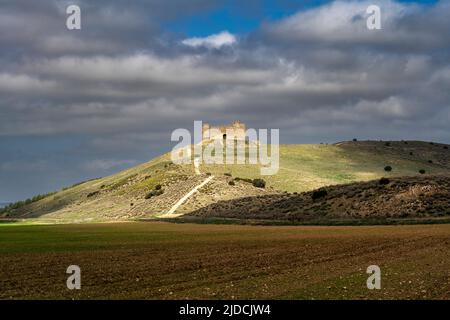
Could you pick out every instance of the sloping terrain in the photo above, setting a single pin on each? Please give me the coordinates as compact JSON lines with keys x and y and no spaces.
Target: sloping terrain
{"x":404,"y":197}
{"x":152,"y":188}
{"x":305,"y":167}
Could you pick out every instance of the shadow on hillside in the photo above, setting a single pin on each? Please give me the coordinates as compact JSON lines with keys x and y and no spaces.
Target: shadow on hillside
{"x":401,"y":197}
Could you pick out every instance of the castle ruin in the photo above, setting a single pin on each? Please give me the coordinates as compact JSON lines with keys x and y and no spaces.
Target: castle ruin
{"x":235,"y":131}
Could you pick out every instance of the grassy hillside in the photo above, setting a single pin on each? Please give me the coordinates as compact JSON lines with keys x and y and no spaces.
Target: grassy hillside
{"x":307,"y":167}
{"x":152,"y":188}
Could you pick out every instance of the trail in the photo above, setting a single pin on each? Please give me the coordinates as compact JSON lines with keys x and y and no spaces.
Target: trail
{"x":171,"y":214}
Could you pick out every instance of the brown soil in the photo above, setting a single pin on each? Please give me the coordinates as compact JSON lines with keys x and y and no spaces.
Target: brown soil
{"x":172,"y":261}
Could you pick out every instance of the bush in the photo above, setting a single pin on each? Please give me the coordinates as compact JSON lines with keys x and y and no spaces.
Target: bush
{"x":231,"y":183}
{"x":354,"y":139}
{"x":384,"y":181}
{"x":411,"y":153}
{"x":243,"y":179}
{"x":317,"y":194}
{"x":388,"y":168}
{"x":387,"y":144}
{"x":154,"y":193}
{"x":446,"y":147}
{"x":150,"y":194}
{"x":259,"y":183}
{"x":227,"y":174}
{"x":157,"y":190}
{"x":421,"y":171}
{"x":430,"y":161}
{"x":92,"y":194}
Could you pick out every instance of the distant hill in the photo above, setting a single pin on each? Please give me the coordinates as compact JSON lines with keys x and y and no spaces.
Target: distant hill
{"x":152,"y":188}
{"x":3,"y":204}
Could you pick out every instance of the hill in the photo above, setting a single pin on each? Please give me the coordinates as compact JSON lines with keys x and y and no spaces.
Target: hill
{"x":402,"y":197}
{"x":153,"y":188}
{"x":4,"y":204}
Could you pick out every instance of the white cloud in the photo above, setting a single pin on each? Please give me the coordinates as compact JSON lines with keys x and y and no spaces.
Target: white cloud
{"x":215,"y":41}
{"x":23,"y":83}
{"x":345,"y":22}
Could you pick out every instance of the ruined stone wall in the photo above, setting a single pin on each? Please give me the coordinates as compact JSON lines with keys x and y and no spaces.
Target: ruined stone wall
{"x":234,"y":131}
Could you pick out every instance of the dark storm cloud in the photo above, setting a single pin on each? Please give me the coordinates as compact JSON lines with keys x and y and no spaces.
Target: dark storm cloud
{"x":37,"y":28}
{"x":120,"y":85}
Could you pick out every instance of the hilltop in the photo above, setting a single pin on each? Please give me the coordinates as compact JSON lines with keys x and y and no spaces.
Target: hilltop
{"x":151,"y":189}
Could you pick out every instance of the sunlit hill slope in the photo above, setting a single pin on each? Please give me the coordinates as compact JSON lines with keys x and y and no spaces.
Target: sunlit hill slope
{"x":152,"y":188}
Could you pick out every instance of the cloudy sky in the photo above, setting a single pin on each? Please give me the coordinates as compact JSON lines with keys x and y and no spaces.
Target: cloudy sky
{"x":79,"y":104}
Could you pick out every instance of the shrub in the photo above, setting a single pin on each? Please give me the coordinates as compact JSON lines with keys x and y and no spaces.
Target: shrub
{"x":317,"y":194}
{"x":93,"y":194}
{"x":150,"y":194}
{"x":157,"y":190}
{"x":243,"y":179}
{"x":446,"y":147}
{"x":154,"y":193}
{"x":384,"y":181}
{"x":231,"y":183}
{"x":388,"y":168}
{"x":411,"y":153}
{"x":354,"y":139}
{"x":387,"y":144}
{"x":227,"y":174}
{"x":421,"y":171}
{"x":430,"y":161}
{"x":259,"y":183}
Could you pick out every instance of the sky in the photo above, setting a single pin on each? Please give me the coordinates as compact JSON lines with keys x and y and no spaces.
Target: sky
{"x":81,"y":104}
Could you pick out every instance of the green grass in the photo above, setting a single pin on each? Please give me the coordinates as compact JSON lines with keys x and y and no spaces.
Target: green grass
{"x":33,"y":238}
{"x":307,"y":167}
{"x":314,"y":222}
